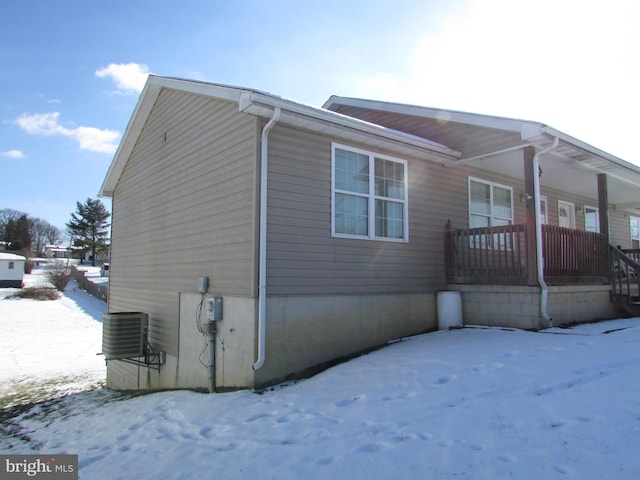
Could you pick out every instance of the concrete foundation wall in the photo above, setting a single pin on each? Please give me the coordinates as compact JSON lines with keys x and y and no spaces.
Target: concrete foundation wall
{"x":234,"y":345}
{"x":309,"y":331}
{"x":581,"y":304}
{"x":234,"y":352}
{"x":519,"y":307}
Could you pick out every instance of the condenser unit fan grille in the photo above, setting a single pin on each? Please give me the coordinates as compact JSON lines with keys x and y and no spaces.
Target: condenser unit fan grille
{"x":124,"y":335}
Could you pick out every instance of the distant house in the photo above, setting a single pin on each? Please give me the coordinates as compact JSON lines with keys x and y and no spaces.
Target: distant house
{"x":329,"y":231}
{"x":57,"y":252}
{"x":11,"y":270}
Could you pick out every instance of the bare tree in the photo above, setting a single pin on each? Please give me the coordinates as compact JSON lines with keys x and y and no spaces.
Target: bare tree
{"x":43,"y":234}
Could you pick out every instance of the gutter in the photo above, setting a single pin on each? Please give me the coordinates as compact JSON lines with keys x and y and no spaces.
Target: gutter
{"x":544,"y":289}
{"x":262,"y":281}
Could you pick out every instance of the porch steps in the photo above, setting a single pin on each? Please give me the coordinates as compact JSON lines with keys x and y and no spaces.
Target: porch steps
{"x":625,"y":272}
{"x":633,"y":308}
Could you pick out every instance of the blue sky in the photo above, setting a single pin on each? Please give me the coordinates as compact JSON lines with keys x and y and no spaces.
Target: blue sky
{"x":72,"y":70}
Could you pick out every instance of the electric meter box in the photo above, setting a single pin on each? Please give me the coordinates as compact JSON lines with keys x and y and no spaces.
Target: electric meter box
{"x":213,"y":309}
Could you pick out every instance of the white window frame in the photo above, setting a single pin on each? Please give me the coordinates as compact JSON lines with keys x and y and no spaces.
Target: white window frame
{"x":544,"y":210}
{"x":635,"y":237}
{"x":597,"y":212}
{"x":12,"y":265}
{"x":491,"y":185}
{"x":371,"y":196}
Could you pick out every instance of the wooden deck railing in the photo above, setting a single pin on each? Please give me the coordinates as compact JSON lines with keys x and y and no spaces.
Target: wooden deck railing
{"x":574,"y":256}
{"x":491,"y":255}
{"x":498,"y":255}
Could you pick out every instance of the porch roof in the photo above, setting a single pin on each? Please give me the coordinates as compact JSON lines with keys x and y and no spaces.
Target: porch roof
{"x":492,"y":143}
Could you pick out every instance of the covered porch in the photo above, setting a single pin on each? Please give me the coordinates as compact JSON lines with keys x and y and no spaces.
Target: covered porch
{"x":533,"y":275}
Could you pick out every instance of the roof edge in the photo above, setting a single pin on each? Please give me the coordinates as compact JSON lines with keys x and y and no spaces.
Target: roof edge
{"x":528,"y":129}
{"x":245,"y":98}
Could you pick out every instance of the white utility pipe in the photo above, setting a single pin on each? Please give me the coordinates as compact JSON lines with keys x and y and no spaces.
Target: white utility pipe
{"x":544,"y":289}
{"x":262,"y":281}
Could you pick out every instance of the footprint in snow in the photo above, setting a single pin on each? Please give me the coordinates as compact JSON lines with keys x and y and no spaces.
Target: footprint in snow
{"x":372,"y":447}
{"x":444,"y":380}
{"x":485,"y":367}
{"x":348,"y":401}
{"x":258,"y":416}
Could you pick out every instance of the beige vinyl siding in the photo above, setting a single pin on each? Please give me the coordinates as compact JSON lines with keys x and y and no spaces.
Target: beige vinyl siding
{"x":620,"y":228}
{"x":185,"y":207}
{"x":303,"y":257}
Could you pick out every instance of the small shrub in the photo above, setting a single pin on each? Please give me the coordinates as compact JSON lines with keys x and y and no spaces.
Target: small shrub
{"x":37,"y":293}
{"x":28,"y":266}
{"x":59,"y":277}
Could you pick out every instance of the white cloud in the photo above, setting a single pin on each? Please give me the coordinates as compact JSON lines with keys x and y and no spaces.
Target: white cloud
{"x":128,"y":77}
{"x":12,"y":154}
{"x":88,"y":138}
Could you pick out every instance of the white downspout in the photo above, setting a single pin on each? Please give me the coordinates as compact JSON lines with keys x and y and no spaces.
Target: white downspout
{"x":544,"y":290}
{"x":262,"y":280}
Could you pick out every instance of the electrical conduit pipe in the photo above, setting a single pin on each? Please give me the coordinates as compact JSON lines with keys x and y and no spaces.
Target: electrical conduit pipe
{"x":262,"y":281}
{"x":544,"y":289}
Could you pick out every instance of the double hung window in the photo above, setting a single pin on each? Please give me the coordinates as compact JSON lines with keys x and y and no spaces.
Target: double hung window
{"x":369,"y":195}
{"x":634,"y":224}
{"x":490,"y":204}
{"x":591,"y":219}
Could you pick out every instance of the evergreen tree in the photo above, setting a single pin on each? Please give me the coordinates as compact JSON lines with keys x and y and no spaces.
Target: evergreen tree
{"x":17,"y":234}
{"x":8,"y":223}
{"x":89,"y":227}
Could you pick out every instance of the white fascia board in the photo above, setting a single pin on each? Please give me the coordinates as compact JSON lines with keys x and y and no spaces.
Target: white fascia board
{"x":223,"y":92}
{"x":474,"y":119}
{"x":260,"y":104}
{"x":590,"y":149}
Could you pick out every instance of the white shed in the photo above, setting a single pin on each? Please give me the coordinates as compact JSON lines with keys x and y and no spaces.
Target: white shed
{"x":11,"y":270}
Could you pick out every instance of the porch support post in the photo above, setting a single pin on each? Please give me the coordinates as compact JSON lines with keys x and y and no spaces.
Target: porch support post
{"x":603,"y":204}
{"x":530,"y":214}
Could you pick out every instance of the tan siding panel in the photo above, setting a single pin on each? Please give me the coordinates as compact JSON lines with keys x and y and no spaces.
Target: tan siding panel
{"x":303,"y":258}
{"x":184,"y":207}
{"x":620,"y":228}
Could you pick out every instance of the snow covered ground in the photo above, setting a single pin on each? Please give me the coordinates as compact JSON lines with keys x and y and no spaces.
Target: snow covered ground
{"x":43,"y":342}
{"x":476,"y":403}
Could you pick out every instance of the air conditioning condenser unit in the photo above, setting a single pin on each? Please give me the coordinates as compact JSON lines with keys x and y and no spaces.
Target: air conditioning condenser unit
{"x":124,"y":334}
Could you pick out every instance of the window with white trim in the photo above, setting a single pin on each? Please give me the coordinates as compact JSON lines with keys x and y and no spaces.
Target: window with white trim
{"x":490,"y":204}
{"x":544,"y":217}
{"x":368,"y":195}
{"x":591,"y":219}
{"x":12,"y":265}
{"x":634,"y":224}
